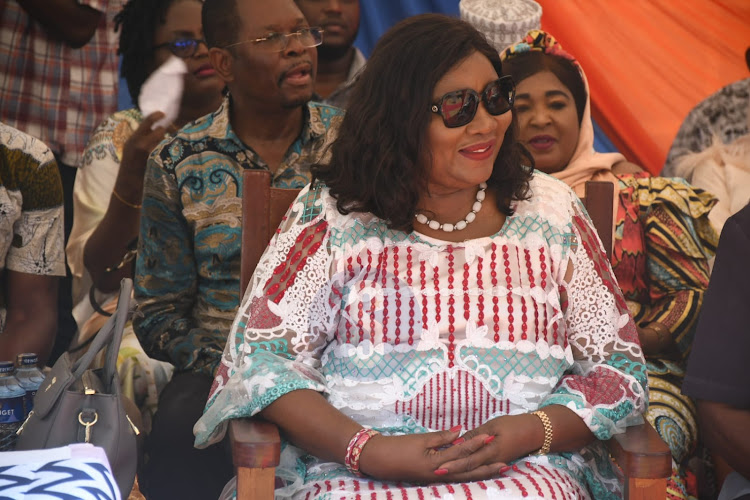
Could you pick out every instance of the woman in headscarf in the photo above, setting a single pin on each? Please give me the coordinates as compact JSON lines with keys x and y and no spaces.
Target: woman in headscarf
{"x":662,"y":236}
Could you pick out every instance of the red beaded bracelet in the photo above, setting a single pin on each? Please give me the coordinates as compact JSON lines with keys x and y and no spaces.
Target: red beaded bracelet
{"x":354,"y":449}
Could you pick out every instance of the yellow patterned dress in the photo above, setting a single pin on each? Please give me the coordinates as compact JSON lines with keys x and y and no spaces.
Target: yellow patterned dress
{"x":663,"y":240}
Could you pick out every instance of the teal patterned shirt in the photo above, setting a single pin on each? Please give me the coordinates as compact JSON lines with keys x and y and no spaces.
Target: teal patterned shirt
{"x":188,"y":266}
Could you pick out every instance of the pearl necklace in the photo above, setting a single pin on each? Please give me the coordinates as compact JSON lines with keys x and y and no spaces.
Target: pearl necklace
{"x":458,"y":226}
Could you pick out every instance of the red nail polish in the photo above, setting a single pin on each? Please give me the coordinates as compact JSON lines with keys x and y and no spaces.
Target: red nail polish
{"x":455,"y":429}
{"x":489,"y":439}
{"x":458,"y":441}
{"x":504,"y":469}
{"x":441,"y":472}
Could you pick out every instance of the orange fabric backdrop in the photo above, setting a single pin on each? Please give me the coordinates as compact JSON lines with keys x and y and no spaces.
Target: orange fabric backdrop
{"x":649,"y":62}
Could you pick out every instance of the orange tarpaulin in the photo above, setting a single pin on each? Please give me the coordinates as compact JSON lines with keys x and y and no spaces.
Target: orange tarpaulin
{"x":649,"y":62}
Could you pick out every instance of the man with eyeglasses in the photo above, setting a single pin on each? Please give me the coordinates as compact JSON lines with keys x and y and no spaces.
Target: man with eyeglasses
{"x":188,"y":264}
{"x":339,"y":61}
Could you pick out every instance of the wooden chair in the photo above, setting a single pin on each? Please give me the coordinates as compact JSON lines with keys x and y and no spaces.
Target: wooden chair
{"x":256,"y":445}
{"x":640,"y":453}
{"x":599,"y":202}
{"x":263,"y":207}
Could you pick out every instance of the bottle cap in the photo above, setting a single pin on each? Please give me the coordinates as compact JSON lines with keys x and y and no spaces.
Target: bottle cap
{"x":27,"y":359}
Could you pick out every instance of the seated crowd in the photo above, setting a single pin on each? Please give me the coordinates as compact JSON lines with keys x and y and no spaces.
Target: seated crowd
{"x":435,"y":315}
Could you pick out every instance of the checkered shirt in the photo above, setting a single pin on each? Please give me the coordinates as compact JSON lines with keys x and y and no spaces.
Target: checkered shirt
{"x":93,"y":82}
{"x":51,"y":91}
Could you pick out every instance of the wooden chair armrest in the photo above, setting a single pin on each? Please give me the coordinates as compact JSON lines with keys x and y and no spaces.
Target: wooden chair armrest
{"x":641,"y":453}
{"x":256,"y":448}
{"x":255,"y":443}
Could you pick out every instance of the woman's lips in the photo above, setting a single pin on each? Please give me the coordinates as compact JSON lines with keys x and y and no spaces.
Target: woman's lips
{"x":478,"y":152}
{"x":542,"y":142}
{"x":205,"y":71}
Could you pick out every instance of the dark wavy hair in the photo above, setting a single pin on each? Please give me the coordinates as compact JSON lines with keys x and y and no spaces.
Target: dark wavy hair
{"x":137,"y":23}
{"x":525,"y":64}
{"x":380,"y":163}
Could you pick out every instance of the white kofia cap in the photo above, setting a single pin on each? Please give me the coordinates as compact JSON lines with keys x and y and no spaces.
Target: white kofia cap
{"x":503,"y":22}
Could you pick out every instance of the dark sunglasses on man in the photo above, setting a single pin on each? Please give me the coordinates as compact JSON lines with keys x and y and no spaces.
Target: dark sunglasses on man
{"x":459,"y":107}
{"x":182,"y":47}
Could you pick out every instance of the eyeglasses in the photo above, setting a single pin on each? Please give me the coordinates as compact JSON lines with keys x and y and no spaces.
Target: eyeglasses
{"x":182,"y":47}
{"x":278,"y":42}
{"x":459,"y":107}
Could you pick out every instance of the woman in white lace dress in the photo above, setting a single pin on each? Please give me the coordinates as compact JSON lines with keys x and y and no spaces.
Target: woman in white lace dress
{"x":426,"y":284}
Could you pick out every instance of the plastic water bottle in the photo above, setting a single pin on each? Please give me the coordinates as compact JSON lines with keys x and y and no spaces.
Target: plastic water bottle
{"x":29,"y":378}
{"x":11,"y":406}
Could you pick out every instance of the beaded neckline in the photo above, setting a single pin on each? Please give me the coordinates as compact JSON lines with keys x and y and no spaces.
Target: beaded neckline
{"x":460,"y":225}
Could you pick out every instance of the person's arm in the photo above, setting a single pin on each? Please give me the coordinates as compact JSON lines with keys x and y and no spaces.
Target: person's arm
{"x":36,"y":258}
{"x":166,"y":279}
{"x":66,"y":20}
{"x":607,"y":387}
{"x":31,"y":315}
{"x":108,"y":243}
{"x":679,"y":242}
{"x":724,"y":430}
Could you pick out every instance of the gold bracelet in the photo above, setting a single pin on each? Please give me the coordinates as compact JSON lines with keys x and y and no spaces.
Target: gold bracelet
{"x":124,"y":201}
{"x":547,"y":432}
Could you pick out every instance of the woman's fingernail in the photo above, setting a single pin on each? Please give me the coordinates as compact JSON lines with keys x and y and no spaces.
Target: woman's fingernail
{"x":458,"y":441}
{"x":456,"y":428}
{"x":441,"y":472}
{"x":489,"y":439}
{"x":504,"y":469}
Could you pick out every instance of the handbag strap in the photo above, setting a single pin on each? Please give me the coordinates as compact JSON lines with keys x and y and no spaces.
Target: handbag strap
{"x":110,"y":335}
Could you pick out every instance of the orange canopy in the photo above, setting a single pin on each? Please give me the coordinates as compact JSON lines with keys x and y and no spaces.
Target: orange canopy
{"x":649,"y":62}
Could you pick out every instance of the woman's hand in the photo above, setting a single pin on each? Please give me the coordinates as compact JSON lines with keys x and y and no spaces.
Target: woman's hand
{"x":135,"y":153}
{"x":517,"y":436}
{"x":507,"y":438}
{"x":140,"y":144}
{"x":655,"y":339}
{"x":417,"y":458}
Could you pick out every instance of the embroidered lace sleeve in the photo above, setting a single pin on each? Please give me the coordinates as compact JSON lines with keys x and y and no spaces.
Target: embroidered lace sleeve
{"x":607,"y":384}
{"x":284,"y":322}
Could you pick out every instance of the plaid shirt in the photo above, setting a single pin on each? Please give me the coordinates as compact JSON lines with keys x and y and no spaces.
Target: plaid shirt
{"x":42,"y":79}
{"x":93,"y":81}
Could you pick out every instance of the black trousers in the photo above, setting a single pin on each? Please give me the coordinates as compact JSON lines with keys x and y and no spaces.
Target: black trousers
{"x":173,"y":468}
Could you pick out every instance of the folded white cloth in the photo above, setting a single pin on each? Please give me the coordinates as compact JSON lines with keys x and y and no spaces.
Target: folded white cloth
{"x":79,"y":471}
{"x":162,"y":91}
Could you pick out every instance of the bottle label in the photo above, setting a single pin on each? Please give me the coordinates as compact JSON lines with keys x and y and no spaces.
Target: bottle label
{"x":11,"y":410}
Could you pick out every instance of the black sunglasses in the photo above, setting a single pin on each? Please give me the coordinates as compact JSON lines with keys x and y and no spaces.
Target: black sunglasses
{"x":182,"y":47}
{"x":460,"y":106}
